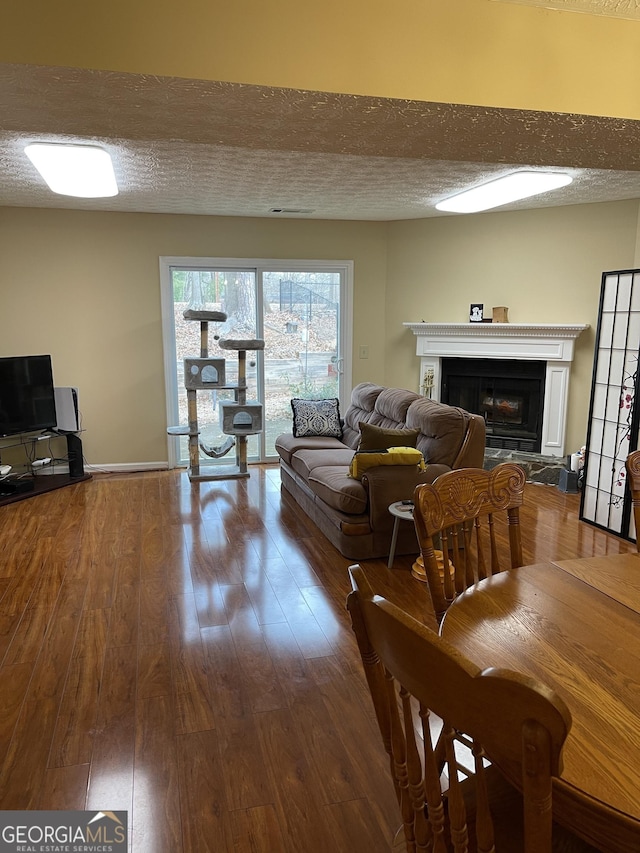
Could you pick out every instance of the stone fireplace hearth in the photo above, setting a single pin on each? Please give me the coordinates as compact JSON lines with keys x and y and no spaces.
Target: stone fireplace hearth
{"x":551,"y":345}
{"x":544,"y":470}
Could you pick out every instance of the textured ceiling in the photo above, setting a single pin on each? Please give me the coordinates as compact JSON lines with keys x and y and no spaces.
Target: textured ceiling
{"x":629,"y":9}
{"x":192,"y":146}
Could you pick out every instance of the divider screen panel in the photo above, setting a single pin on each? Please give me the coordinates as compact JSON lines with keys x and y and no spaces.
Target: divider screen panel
{"x":613,"y":414}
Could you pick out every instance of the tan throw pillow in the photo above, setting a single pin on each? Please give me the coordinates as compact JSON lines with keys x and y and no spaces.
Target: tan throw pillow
{"x":378,"y":438}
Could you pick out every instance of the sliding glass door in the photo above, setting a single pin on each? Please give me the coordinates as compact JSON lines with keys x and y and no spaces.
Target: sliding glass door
{"x":302,"y":311}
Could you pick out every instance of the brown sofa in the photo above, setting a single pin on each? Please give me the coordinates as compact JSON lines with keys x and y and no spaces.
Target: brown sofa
{"x":354,"y":513}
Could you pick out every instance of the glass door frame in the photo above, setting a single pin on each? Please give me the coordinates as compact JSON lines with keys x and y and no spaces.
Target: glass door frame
{"x":260,"y":265}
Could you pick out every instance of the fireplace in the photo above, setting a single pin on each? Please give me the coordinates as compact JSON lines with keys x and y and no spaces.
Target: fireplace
{"x":512,"y":412}
{"x":509,"y":395}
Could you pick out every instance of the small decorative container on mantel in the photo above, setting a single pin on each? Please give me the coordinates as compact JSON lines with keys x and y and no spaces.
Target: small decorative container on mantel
{"x":500,"y":313}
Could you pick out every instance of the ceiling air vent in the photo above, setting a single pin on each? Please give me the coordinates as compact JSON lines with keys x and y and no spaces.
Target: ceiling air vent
{"x":298,"y":211}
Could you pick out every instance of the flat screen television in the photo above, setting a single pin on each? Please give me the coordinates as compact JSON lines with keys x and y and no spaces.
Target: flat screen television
{"x":27,"y":401}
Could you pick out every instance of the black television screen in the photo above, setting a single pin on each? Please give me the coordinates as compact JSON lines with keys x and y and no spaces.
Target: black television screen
{"x":27,"y":401}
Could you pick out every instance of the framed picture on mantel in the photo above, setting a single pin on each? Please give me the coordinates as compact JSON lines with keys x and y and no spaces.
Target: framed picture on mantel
{"x":476,"y":312}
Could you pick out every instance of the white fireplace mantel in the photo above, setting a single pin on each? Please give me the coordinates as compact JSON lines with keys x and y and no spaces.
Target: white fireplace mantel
{"x":551,"y":343}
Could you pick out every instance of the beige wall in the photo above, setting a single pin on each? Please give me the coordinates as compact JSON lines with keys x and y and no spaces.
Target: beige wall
{"x":85,"y":288}
{"x":636,"y":260}
{"x":465,"y":52}
{"x":545,"y":265}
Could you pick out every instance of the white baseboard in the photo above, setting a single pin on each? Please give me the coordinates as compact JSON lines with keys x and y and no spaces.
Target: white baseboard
{"x":125,"y":467}
{"x":111,"y":468}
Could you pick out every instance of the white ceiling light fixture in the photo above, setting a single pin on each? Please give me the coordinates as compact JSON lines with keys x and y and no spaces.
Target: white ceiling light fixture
{"x":510,"y":188}
{"x":84,"y":171}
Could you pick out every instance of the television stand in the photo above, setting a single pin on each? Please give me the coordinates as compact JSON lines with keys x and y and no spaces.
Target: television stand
{"x":41,"y":482}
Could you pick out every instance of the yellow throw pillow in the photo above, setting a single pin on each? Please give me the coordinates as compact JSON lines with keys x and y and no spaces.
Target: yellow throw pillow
{"x":392,"y":456}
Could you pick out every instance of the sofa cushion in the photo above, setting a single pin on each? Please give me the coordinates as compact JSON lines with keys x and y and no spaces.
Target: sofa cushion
{"x":305,"y":461}
{"x":332,"y":485}
{"x":377,"y":438}
{"x":443,"y":429}
{"x":287,"y":444}
{"x":391,"y":407}
{"x":375,"y":404}
{"x":316,"y":417}
{"x":360,"y":408}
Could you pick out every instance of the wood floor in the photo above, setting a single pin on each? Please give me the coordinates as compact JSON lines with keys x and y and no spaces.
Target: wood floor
{"x":183,"y":652}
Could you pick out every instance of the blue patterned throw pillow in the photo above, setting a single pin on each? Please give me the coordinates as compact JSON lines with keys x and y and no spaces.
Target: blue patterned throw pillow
{"x":316,"y":417}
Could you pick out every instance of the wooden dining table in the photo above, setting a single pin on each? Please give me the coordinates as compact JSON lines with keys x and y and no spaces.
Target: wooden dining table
{"x":575,"y":626}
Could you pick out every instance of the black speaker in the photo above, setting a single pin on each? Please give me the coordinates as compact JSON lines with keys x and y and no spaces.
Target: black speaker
{"x":74,"y":452}
{"x":66,"y":409}
{"x":568,"y":482}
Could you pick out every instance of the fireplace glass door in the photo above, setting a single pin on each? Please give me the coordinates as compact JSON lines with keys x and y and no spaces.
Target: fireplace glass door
{"x":507,"y":393}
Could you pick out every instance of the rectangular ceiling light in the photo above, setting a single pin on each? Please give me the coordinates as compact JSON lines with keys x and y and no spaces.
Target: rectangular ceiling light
{"x":84,"y":171}
{"x":504,"y":190}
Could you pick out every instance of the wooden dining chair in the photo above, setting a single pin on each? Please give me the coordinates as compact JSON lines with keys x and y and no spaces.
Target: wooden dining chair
{"x":475,"y":515}
{"x":426,"y":695}
{"x":632,"y":465}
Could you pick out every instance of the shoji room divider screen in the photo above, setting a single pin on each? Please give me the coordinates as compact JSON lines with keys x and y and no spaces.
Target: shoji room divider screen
{"x":613,"y":413}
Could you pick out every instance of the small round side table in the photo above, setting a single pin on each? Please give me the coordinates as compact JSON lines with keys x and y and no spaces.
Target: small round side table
{"x":401,"y":512}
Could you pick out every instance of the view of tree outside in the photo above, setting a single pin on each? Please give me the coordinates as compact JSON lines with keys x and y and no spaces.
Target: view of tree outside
{"x":299,"y":324}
